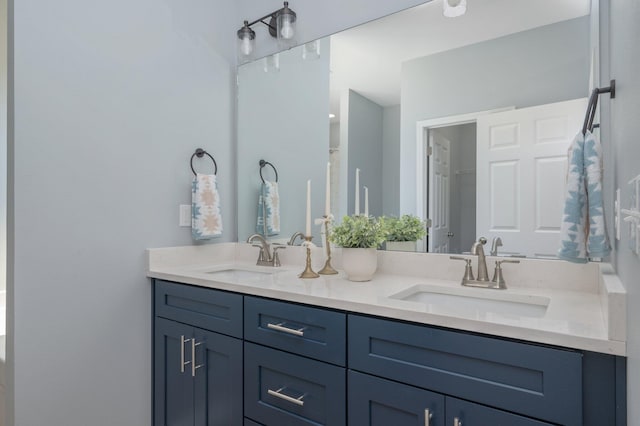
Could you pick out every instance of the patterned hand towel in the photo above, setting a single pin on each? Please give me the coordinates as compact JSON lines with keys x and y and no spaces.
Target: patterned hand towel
{"x":268,"y":222}
{"x":598,"y":242}
{"x":572,"y":228}
{"x":206,"y":220}
{"x":582,"y":232}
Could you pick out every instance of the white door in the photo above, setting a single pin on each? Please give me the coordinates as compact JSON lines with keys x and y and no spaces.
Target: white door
{"x":521,"y":172}
{"x":439,"y":193}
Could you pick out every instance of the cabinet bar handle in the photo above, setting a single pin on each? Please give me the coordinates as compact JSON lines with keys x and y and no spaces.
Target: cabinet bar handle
{"x":280,"y":327}
{"x":457,"y":422}
{"x":194,"y":367}
{"x":277,"y":394}
{"x":427,"y":417}
{"x":182,"y":362}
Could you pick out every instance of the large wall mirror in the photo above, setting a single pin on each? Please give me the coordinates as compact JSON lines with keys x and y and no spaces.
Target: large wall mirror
{"x":462,"y":121}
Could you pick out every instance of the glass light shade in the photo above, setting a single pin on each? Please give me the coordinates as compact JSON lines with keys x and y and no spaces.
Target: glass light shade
{"x":246,"y":42}
{"x":454,"y":8}
{"x":286,"y":26}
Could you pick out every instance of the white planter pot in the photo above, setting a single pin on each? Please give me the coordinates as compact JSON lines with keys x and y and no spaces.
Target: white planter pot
{"x":402,"y":245}
{"x":359,"y":263}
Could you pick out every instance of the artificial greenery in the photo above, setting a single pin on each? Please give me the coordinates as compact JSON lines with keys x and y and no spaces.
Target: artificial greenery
{"x":404,"y":228}
{"x":358,"y":232}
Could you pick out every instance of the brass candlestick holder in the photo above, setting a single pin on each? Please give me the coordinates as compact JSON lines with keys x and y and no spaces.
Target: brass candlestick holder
{"x":328,"y":269}
{"x":308,"y":272}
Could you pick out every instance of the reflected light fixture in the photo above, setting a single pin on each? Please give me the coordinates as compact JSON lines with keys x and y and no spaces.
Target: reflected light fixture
{"x":454,"y":8}
{"x":281,"y":24}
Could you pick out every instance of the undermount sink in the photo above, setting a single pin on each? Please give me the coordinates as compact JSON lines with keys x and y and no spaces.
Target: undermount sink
{"x":474,"y":302}
{"x":239,"y":274}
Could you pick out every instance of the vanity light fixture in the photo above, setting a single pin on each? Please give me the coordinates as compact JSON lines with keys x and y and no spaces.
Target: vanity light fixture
{"x":281,"y":24}
{"x":454,"y":8}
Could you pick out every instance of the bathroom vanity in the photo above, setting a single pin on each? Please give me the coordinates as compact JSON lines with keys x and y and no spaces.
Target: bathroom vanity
{"x":237,"y":344}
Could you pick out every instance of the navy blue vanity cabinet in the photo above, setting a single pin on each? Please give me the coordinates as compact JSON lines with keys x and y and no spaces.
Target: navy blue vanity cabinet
{"x":536,"y":381}
{"x":376,"y":401}
{"x":197,"y":372}
{"x":294,"y":371}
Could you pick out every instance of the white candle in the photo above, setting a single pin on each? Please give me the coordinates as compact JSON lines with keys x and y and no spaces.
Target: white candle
{"x":366,"y":201}
{"x":357,"y":209}
{"x":308,"y":230}
{"x":327,"y":195}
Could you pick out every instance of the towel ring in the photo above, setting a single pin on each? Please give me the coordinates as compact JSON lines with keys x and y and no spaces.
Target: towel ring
{"x":264,"y":163}
{"x":201,"y":153}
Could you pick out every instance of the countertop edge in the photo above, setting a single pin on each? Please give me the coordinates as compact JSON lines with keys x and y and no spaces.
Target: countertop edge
{"x":611,"y":347}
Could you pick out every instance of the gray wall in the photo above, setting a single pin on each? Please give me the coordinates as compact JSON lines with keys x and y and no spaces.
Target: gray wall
{"x":391,"y":160}
{"x":274,"y":109}
{"x":108,"y":100}
{"x":364,"y":142}
{"x":539,"y":66}
{"x":624,"y":56}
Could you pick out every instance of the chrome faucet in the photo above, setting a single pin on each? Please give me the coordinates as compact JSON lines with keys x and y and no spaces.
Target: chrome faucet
{"x":293,"y":238}
{"x":495,"y":243}
{"x":482,"y":280}
{"x":265,"y":257}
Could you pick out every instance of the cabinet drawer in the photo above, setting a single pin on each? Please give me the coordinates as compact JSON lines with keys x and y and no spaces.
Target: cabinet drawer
{"x":470,"y":414}
{"x":312,"y":332}
{"x":206,"y":308}
{"x":533,"y":380}
{"x":376,"y":401}
{"x":249,"y":422}
{"x":285,"y":389}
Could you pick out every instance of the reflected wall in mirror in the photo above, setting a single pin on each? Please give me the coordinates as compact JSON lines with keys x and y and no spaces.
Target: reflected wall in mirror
{"x":387,"y":77}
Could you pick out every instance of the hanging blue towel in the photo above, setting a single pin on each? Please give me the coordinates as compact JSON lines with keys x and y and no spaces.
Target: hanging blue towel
{"x":572,"y":228}
{"x":598,"y":241}
{"x":206,"y":220}
{"x":268,"y":223}
{"x":582,"y":232}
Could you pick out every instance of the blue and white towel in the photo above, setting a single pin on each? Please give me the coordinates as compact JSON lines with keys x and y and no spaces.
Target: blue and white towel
{"x":206,"y":220}
{"x":268,"y":222}
{"x":582,"y":232}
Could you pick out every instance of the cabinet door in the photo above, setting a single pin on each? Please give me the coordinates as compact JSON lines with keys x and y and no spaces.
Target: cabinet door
{"x":464,"y":413}
{"x":218,"y":379}
{"x":173,"y":392}
{"x":378,"y":402}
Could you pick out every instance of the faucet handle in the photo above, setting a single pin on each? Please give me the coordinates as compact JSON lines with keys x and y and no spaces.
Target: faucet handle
{"x":468,"y":271}
{"x":497,"y":273}
{"x":482,"y":240}
{"x":276,"y":258}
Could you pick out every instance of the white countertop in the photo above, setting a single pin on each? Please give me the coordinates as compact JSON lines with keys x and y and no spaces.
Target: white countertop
{"x":586,"y":308}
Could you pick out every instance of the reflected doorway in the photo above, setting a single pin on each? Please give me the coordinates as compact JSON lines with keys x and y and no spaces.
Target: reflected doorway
{"x":451,"y":188}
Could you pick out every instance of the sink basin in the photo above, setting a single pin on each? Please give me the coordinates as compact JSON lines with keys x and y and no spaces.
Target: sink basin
{"x":476,"y":303}
{"x":240,"y":274}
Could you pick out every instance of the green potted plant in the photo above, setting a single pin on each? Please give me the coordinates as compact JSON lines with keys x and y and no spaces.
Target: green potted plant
{"x":359,"y":236}
{"x":403,"y":232}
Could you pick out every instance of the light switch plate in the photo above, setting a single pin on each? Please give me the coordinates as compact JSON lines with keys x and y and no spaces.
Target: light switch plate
{"x":185,"y":215}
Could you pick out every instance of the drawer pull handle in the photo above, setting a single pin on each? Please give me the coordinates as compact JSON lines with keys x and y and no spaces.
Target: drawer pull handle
{"x":182,"y":361}
{"x":277,"y":394}
{"x":457,"y":422}
{"x":280,"y":327}
{"x":427,"y":417}
{"x":194,"y":367}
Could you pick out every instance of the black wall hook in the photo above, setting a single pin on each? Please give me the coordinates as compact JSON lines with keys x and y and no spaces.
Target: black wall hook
{"x":201,"y":153}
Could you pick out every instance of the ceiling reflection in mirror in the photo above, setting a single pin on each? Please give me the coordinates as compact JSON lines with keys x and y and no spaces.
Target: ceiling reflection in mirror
{"x":357,"y":99}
